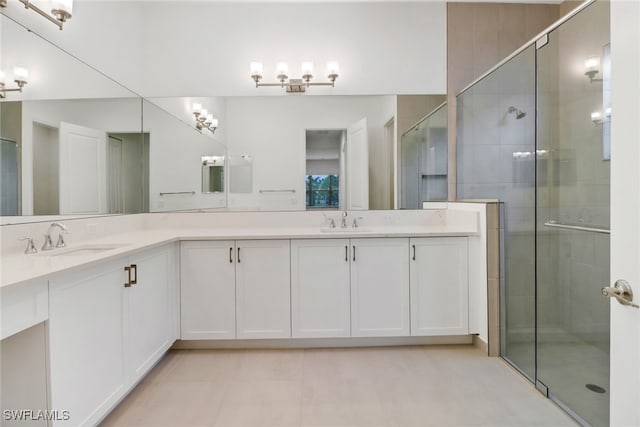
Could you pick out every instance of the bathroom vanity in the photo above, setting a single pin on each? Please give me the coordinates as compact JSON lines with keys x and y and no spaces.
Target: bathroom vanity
{"x":126,"y":289}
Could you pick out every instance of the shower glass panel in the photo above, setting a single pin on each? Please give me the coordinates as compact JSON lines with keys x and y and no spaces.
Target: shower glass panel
{"x":573,"y":190}
{"x":424,"y":160}
{"x":496,"y":160}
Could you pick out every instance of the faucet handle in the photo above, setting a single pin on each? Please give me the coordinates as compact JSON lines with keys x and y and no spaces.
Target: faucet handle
{"x":48,"y":244}
{"x":31,"y":248}
{"x":331,"y":221}
{"x":61,"y":243}
{"x":355,"y":221}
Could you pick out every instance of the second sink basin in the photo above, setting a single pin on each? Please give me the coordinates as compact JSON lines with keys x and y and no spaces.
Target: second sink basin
{"x":345,"y":230}
{"x":83,"y":250}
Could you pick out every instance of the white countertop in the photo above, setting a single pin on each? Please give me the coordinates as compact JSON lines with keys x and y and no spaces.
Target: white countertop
{"x":17,"y":268}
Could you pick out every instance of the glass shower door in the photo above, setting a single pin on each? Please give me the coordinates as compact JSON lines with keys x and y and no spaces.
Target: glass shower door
{"x":572,"y":215}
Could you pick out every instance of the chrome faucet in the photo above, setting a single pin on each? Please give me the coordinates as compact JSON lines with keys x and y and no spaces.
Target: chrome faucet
{"x":48,"y":244}
{"x":355,"y":222}
{"x":31,"y":248}
{"x":343,"y":223}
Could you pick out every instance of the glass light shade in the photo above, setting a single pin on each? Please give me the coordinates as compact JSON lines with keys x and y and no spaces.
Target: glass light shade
{"x":596,"y":116}
{"x":592,"y":64}
{"x":333,"y":67}
{"x":256,"y":68}
{"x":607,"y":112}
{"x":209,"y":118}
{"x":3,"y":77}
{"x":203,"y":112}
{"x":282,"y":68}
{"x":214,"y":122}
{"x":307,"y":67}
{"x":65,"y":5}
{"x":20,"y":73}
{"x":196,"y":108}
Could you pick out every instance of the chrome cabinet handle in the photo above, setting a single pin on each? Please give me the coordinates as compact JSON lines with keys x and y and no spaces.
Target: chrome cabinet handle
{"x":230,"y":255}
{"x":621,"y":291}
{"x":414,"y":252}
{"x":346,"y":253}
{"x":354,"y":252}
{"x":238,"y":255}
{"x":128,"y":282}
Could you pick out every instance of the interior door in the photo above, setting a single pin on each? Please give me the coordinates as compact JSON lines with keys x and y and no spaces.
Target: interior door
{"x":358,"y":166}
{"x":625,"y":211}
{"x":83,"y":170}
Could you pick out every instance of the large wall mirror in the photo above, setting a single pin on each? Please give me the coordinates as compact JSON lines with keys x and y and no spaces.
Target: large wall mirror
{"x":76,"y":143}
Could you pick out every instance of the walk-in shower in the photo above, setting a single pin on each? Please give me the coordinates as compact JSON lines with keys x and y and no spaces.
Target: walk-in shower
{"x":547,"y":162}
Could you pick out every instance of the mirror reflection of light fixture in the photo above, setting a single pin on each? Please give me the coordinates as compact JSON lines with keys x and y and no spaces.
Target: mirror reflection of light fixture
{"x":295,"y":85}
{"x":60,"y":10}
{"x":20,"y":76}
{"x":596,"y":117}
{"x":204,"y":120}
{"x":592,"y":68}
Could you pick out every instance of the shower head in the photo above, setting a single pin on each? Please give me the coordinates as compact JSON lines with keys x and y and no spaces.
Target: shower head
{"x":519,"y":113}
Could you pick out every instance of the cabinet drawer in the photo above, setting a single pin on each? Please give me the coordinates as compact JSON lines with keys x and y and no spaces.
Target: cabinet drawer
{"x":23,"y":305}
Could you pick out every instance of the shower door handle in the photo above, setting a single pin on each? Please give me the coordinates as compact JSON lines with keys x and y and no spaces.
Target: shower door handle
{"x":621,"y":291}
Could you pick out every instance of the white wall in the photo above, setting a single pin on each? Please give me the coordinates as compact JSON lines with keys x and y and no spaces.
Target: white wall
{"x":210,"y":44}
{"x":272,"y":130}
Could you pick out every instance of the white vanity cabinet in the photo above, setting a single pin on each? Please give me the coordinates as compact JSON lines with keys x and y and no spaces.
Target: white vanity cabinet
{"x":86,"y":342}
{"x":263,"y":289}
{"x":439,"y":286}
{"x":208,"y":290}
{"x":350,"y":287}
{"x":235,"y":289}
{"x":107,"y":327}
{"x":380,"y":287}
{"x":320,"y":295}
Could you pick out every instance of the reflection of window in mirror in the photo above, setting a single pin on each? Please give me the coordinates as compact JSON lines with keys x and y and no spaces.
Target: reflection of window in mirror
{"x":213,"y":174}
{"x":240,"y":174}
{"x":324,"y":168}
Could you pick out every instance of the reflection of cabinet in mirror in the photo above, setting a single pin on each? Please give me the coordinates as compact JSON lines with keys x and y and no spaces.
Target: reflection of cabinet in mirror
{"x":240,"y":174}
{"x":212,"y":174}
{"x":424,"y":160}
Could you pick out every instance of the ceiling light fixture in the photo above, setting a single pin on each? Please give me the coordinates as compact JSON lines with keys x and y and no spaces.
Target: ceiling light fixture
{"x":204,"y":120}
{"x":60,"y":10}
{"x":295,"y":85}
{"x":20,"y":76}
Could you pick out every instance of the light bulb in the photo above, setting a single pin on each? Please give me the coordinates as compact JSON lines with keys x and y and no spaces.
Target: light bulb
{"x":307,"y":68}
{"x":256,"y":68}
{"x":20,"y":74}
{"x":196,"y":108}
{"x":333,"y":68}
{"x":282,"y":68}
{"x":63,"y":5}
{"x":592,"y":65}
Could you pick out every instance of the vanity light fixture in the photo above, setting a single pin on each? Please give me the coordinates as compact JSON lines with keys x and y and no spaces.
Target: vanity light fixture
{"x":20,"y":76}
{"x":204,"y":120}
{"x":60,"y":10}
{"x":592,"y":68}
{"x":596,"y":118}
{"x":295,"y":85}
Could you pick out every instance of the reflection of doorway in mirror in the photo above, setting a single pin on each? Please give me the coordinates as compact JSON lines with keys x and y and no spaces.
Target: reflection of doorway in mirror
{"x":46,"y":175}
{"x":324,"y":170}
{"x":128,"y":173}
{"x":10,"y":177}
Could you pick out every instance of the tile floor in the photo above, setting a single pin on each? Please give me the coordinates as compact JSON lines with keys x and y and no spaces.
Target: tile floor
{"x":372,"y":387}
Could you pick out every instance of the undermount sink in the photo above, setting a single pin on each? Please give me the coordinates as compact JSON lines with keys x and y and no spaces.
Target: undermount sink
{"x":345,"y":230}
{"x":82,"y":250}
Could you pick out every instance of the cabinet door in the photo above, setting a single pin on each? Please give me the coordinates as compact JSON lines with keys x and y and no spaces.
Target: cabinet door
{"x":263,"y":286}
{"x":149,"y":323}
{"x":380,"y":287}
{"x":439,"y":286}
{"x":86,"y":343}
{"x":320,"y":300}
{"x":208,"y":290}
